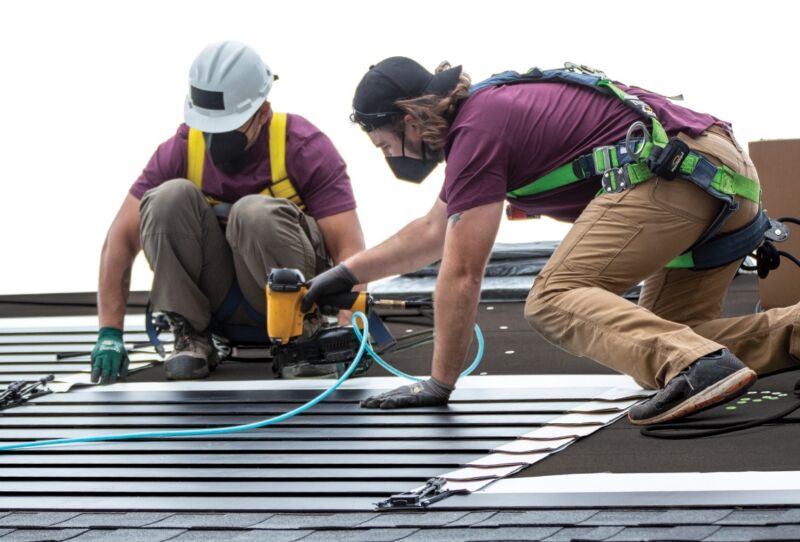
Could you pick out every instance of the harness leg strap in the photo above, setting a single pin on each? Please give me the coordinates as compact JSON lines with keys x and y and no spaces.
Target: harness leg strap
{"x":730,"y":247}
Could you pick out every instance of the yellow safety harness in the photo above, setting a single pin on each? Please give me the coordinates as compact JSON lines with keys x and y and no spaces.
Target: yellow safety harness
{"x":280,"y":186}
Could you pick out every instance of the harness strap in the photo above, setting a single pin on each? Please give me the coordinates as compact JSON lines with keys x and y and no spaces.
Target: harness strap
{"x":233,"y":300}
{"x":229,"y":305}
{"x":582,"y":168}
{"x":619,"y":168}
{"x":658,"y":134}
{"x":239,"y":333}
{"x":695,"y":168}
{"x":196,"y":152}
{"x":152,"y":331}
{"x":726,"y":248}
{"x":716,"y":180}
{"x":195,"y":159}
{"x":280,"y":186}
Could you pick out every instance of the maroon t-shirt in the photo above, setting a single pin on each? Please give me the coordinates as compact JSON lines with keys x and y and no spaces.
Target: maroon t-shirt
{"x":505,"y":137}
{"x":315,"y":167}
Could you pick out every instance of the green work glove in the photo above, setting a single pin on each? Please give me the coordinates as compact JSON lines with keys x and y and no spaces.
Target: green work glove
{"x":109,"y":357}
{"x":429,"y":392}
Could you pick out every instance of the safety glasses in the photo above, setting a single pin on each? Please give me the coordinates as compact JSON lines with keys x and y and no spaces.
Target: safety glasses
{"x":371,"y":121}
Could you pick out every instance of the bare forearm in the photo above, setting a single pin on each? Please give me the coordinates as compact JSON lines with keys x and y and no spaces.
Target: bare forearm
{"x":119,"y":250}
{"x":455,"y":308}
{"x":418,"y":244}
{"x":470,"y":236}
{"x":114,"y":286}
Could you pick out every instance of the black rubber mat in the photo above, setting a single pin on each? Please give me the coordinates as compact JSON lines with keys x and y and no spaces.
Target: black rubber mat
{"x":621,"y":448}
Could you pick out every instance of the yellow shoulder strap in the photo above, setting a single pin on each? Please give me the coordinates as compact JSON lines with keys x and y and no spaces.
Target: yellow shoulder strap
{"x":195,"y":156}
{"x":277,"y":147}
{"x":281,"y":186}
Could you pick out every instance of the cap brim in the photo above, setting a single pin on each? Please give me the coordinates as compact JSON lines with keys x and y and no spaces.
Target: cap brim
{"x":215,"y":122}
{"x":444,"y":82}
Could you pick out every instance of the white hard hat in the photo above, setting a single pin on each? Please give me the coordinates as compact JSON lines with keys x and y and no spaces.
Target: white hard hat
{"x":228,"y":82}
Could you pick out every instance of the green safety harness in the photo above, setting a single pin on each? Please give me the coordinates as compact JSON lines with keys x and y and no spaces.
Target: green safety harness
{"x":646,"y":153}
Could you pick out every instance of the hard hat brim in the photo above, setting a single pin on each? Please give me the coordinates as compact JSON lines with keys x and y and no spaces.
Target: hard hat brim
{"x":215,"y":122}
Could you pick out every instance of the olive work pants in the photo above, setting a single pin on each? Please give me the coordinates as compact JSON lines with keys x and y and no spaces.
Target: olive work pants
{"x":622,"y":239}
{"x":194,"y":260}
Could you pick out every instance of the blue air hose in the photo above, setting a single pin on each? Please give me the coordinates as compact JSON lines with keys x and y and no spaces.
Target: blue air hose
{"x":255,"y":425}
{"x":398,"y":372}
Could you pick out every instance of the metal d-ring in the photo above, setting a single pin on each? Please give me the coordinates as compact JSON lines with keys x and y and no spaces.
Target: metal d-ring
{"x":630,"y":145}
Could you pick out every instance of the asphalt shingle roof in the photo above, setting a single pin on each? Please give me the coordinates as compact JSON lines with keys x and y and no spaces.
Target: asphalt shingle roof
{"x":619,"y":525}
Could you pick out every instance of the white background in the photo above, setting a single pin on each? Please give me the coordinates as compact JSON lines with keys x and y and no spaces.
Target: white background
{"x":89,"y":89}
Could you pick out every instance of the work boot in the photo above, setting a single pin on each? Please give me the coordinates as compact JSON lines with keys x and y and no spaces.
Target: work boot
{"x":194,"y":355}
{"x":711,"y":380}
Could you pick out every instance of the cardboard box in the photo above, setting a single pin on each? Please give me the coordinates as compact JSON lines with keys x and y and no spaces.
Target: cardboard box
{"x":778,"y":165}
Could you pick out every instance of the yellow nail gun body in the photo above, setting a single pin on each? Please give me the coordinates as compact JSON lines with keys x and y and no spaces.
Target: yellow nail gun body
{"x":287,"y":325}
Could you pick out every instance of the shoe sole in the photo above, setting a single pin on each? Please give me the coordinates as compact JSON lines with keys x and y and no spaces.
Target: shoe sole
{"x":186,"y":369}
{"x":725,"y":390}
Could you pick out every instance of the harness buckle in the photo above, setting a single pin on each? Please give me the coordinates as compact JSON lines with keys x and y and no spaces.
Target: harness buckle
{"x":604,"y":158}
{"x":616,"y":180}
{"x":583,"y":68}
{"x":667,"y":163}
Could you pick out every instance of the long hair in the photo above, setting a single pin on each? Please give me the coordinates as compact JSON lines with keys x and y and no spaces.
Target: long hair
{"x":434,"y":113}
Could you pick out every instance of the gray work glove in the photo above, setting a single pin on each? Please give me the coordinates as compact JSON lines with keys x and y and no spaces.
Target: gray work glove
{"x":336,"y":280}
{"x":429,"y":392}
{"x":109,"y":357}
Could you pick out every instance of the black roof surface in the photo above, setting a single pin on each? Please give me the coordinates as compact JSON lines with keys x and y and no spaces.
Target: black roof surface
{"x":52,"y":503}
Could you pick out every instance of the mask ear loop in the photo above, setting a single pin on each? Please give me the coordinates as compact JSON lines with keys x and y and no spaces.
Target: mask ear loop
{"x":403,"y":145}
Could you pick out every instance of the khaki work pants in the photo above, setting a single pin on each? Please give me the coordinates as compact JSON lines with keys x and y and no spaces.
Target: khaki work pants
{"x":195,"y":260}
{"x":622,"y":239}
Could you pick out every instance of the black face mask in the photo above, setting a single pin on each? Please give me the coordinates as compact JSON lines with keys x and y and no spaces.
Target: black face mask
{"x":414,"y":170}
{"x":228,"y":149}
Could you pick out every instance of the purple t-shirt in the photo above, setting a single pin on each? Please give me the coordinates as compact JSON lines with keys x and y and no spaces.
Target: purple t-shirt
{"x":502,"y":138}
{"x":315,"y":167}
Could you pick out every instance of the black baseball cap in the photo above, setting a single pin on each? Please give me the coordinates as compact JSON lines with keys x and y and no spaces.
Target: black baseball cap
{"x":396,"y":78}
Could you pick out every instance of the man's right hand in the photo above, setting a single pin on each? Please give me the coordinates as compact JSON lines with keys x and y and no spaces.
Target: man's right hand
{"x":337,"y":280}
{"x":109,"y":357}
{"x":428,"y":392}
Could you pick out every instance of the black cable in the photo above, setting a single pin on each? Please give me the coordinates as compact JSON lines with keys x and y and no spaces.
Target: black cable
{"x":405,"y":345}
{"x":407,"y":320}
{"x":750,"y":267}
{"x":135,"y":349}
{"x":672,"y":431}
{"x":790,"y":257}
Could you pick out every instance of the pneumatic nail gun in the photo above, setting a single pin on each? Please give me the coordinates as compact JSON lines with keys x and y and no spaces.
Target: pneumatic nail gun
{"x":301,"y":341}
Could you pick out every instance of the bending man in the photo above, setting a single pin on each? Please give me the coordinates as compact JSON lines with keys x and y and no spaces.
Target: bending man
{"x":531,"y":142}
